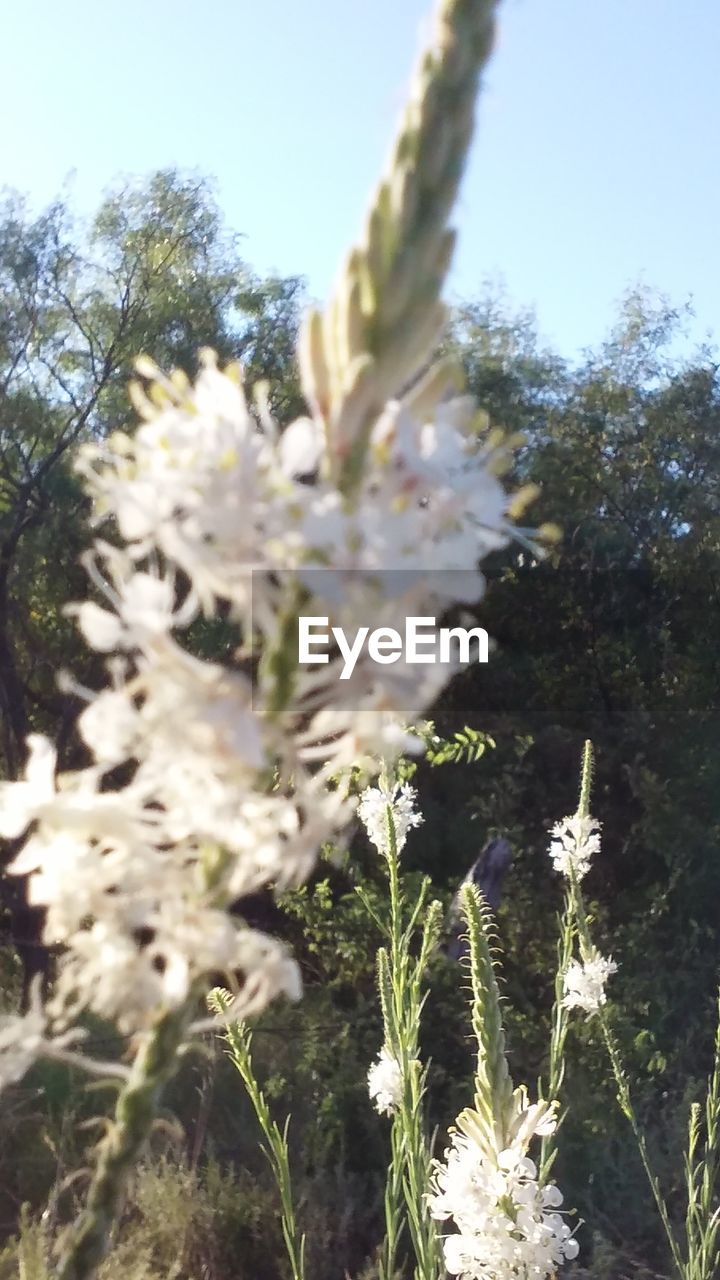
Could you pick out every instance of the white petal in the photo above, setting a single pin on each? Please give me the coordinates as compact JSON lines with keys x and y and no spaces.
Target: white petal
{"x":300,"y":446}
{"x":101,"y":629}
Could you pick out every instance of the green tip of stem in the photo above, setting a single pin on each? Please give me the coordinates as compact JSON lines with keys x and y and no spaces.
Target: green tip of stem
{"x":493,"y":1086}
{"x":586,"y":779}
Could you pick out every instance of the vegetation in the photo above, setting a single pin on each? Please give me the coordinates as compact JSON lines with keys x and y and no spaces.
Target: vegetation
{"x":612,"y":637}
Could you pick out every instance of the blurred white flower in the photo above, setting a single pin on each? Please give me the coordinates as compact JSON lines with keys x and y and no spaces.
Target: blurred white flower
{"x":206,"y":782}
{"x":21,"y":1040}
{"x":20,"y":802}
{"x":385,"y":1083}
{"x":196,"y":481}
{"x":584,"y":983}
{"x":24,"y":1038}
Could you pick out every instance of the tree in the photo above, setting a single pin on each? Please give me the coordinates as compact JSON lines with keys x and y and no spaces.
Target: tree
{"x":154,"y":272}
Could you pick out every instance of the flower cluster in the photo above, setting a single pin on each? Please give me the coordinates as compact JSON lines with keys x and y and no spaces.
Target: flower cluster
{"x":385,"y":1082}
{"x":574,"y":842}
{"x":373,"y":812}
{"x":210,"y":778}
{"x":24,"y":1038}
{"x":584,"y":982}
{"x":508,"y":1225}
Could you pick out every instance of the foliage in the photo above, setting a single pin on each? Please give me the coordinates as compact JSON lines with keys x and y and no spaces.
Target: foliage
{"x":614,"y":635}
{"x":181,"y":1224}
{"x":466,"y":746}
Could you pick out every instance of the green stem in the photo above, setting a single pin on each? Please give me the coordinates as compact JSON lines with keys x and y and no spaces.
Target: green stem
{"x":623,"y":1089}
{"x":493,"y":1085}
{"x":87,"y":1241}
{"x":385,"y":318}
{"x":410,"y":1166}
{"x":239,"y":1039}
{"x":396,"y":931}
{"x":558,"y":1036}
{"x":701,"y":1223}
{"x":628,"y":1109}
{"x":585,"y":780}
{"x":416,"y":1182}
{"x":387,"y":1264}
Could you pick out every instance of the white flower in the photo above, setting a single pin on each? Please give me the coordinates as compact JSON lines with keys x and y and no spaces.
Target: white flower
{"x":507,"y":1224}
{"x":529,"y":1120}
{"x":20,"y":802}
{"x":373,"y":812}
{"x":70,"y":804}
{"x":197,"y":482}
{"x":385,"y":1083}
{"x":21,"y":1040}
{"x":574,"y":841}
{"x":452,"y":499}
{"x":203,"y":784}
{"x":145,"y":606}
{"x":584,"y":983}
{"x":24,"y":1038}
{"x":109,"y":726}
{"x":301,"y":446}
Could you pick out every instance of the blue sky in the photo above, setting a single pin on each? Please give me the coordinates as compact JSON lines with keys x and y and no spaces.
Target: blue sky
{"x":595,"y":161}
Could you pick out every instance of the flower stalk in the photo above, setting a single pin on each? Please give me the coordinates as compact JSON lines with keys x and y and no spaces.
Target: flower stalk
{"x":560,"y":1022}
{"x":388,"y":814}
{"x":87,"y":1240}
{"x":385,"y":317}
{"x":575,"y":906}
{"x":493,"y":1086}
{"x":702,"y":1221}
{"x":506,"y":1219}
{"x":238,"y":1037}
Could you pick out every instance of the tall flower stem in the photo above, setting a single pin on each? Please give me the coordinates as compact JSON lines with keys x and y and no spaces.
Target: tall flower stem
{"x":401,"y":966}
{"x":558,"y":1033}
{"x":392,"y":999}
{"x":410,"y":1140}
{"x":88,"y":1239}
{"x":385,"y":317}
{"x":560,"y":1013}
{"x":493,"y":1085}
{"x":239,"y":1040}
{"x":393,"y":1203}
{"x":624,"y":1096}
{"x":628,"y":1109}
{"x":702,"y":1222}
